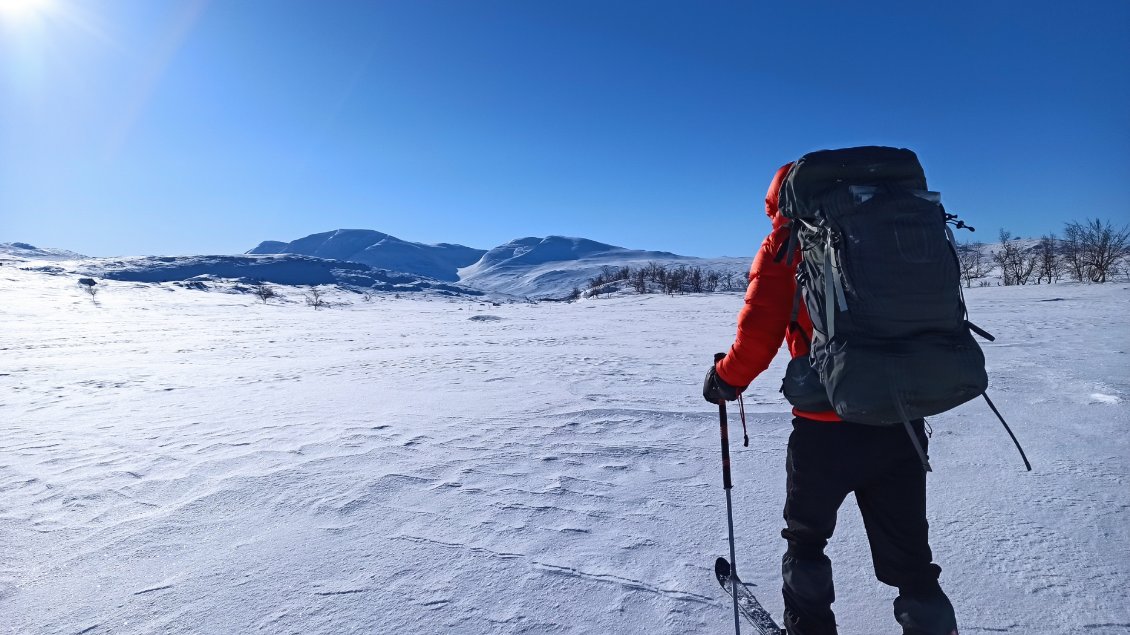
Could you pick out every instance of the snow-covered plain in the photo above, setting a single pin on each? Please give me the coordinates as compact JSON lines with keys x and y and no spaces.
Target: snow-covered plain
{"x":182,"y":461}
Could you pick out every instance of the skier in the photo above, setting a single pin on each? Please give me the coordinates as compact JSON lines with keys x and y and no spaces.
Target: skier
{"x":829,"y":458}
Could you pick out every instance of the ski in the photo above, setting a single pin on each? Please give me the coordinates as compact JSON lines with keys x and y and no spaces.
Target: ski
{"x":748,"y":605}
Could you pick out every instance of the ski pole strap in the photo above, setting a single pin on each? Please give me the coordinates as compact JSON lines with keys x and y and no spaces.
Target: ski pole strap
{"x":1007,"y":429}
{"x":745,"y":431}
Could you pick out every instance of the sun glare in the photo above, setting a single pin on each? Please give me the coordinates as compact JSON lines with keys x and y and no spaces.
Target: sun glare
{"x":16,"y":10}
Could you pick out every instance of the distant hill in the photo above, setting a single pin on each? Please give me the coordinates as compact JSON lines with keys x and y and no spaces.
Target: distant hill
{"x":380,"y":250}
{"x":361,"y":259}
{"x":553,"y":265}
{"x":287,"y":269}
{"x":535,"y":267}
{"x":24,"y":251}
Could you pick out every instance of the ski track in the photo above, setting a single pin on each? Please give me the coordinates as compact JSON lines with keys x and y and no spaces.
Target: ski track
{"x":179,"y":461}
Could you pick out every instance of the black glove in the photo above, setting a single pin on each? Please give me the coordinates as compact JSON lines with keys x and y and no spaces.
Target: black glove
{"x":715,"y":389}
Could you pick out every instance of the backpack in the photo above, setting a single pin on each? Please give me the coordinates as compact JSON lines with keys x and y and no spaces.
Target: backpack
{"x":879,"y":276}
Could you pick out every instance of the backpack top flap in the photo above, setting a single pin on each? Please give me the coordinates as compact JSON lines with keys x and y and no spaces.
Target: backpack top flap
{"x":816,"y":173}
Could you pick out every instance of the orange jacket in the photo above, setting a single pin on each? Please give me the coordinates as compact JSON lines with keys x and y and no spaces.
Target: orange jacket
{"x":763,"y":323}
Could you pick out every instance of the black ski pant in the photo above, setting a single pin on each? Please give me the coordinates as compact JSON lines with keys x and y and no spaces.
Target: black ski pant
{"x":825,"y":463}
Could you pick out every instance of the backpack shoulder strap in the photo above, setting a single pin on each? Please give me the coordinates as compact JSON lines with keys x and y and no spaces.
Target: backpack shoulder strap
{"x":788,"y":248}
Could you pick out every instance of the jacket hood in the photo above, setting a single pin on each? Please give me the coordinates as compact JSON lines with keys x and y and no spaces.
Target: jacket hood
{"x":774,"y":195}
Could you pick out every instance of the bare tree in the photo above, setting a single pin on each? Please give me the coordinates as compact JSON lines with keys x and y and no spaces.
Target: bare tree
{"x":639,"y":280}
{"x":1016,"y":265}
{"x":595,"y":285}
{"x":710,"y":281}
{"x":1008,"y":258}
{"x":1049,"y":266}
{"x":675,"y":279}
{"x":316,"y":298}
{"x":1026,"y":265}
{"x":1100,"y":248}
{"x":971,"y":262}
{"x":264,"y":292}
{"x":1071,"y":249}
{"x":89,"y":285}
{"x":695,"y":279}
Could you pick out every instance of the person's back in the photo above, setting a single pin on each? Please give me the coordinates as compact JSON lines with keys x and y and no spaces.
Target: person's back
{"x":828,"y":458}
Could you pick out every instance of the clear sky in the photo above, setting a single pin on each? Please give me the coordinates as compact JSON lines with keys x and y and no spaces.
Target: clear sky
{"x":197,"y":126}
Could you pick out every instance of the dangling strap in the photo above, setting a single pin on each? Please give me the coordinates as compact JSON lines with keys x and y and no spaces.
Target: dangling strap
{"x":839,"y":279}
{"x":829,"y":294}
{"x":745,"y":432}
{"x":980,"y":331}
{"x":971,"y":326}
{"x":794,"y":324}
{"x":1008,"y":429}
{"x":910,"y":430}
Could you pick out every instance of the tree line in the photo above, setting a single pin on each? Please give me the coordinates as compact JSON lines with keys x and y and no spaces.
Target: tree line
{"x":1089,"y":251}
{"x":1092,"y":250}
{"x":659,"y":278}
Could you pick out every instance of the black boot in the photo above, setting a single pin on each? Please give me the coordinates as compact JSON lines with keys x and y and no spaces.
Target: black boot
{"x":809,"y":594}
{"x":925,"y":612}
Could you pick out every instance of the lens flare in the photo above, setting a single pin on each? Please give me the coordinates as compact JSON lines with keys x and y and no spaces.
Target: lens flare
{"x":16,"y":10}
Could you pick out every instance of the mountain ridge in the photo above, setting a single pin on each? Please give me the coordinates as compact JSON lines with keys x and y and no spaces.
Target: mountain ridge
{"x":380,"y":250}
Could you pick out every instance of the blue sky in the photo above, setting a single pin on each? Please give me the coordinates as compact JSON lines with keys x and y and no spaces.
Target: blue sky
{"x":195,"y":126}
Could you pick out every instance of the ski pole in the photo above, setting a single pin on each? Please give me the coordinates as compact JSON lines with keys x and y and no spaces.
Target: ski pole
{"x":727,"y":484}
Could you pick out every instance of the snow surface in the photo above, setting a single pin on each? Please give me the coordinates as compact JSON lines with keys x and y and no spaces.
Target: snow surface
{"x":177,"y":461}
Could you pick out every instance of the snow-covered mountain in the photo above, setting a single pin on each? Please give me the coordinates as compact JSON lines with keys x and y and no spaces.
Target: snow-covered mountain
{"x":380,"y":250}
{"x":285,"y":269}
{"x":227,"y":272}
{"x":551,"y":266}
{"x":24,"y":251}
{"x":533,"y":266}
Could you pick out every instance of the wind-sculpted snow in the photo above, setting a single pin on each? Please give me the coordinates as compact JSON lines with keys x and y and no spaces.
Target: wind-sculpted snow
{"x":186,"y":462}
{"x":379,"y":250}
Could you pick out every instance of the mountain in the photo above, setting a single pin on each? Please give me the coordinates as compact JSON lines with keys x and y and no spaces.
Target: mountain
{"x":24,"y":251}
{"x":535,"y":267}
{"x":380,"y":250}
{"x":553,"y":265}
{"x":286,"y":269}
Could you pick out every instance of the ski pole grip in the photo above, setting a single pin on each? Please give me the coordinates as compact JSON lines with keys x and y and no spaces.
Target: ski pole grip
{"x":725,"y":428}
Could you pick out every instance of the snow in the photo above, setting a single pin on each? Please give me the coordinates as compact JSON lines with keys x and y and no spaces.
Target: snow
{"x":379,"y":250}
{"x":235,"y":273}
{"x":181,"y":461}
{"x":548,"y":267}
{"x":554,"y":265}
{"x":23,"y":251}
